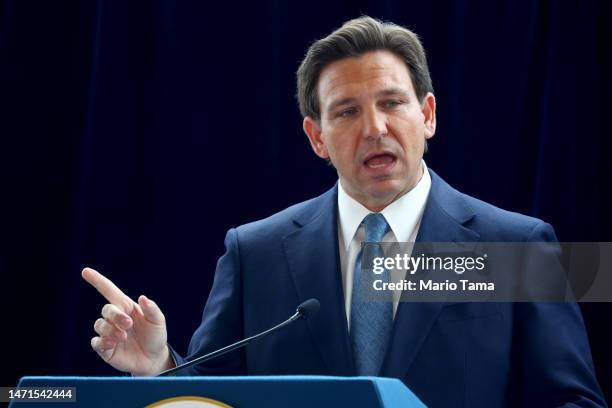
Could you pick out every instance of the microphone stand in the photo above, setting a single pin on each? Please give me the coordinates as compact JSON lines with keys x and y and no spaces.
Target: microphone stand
{"x":298,"y":314}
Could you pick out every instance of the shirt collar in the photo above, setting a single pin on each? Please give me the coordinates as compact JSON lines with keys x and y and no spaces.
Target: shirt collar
{"x":403,"y":214}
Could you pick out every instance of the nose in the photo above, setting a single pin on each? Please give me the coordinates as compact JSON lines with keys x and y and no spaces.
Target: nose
{"x":374,"y":124}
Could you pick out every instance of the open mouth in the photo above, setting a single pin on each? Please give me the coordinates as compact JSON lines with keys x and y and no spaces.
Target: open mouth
{"x":379,"y":160}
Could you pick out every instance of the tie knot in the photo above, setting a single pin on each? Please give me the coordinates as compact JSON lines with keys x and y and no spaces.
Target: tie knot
{"x":375,"y":227}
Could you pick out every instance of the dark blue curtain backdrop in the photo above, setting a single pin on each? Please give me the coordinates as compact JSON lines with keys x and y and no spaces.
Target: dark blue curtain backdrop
{"x":134,"y":134}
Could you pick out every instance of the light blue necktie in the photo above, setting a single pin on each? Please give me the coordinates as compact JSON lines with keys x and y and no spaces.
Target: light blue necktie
{"x":371,"y":322}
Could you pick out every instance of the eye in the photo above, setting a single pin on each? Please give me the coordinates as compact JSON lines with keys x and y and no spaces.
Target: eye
{"x":393,"y":103}
{"x":347,"y":113}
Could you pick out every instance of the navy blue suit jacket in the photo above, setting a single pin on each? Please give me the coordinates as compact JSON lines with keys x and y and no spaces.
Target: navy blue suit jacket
{"x":450,"y":355}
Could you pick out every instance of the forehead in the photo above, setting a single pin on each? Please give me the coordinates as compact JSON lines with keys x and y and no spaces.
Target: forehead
{"x":368,"y":73}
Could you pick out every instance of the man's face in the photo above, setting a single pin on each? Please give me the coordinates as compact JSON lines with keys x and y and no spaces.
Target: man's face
{"x":372,"y":126}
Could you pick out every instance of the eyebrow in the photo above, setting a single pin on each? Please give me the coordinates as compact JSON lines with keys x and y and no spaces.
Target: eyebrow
{"x":385,"y":92}
{"x":393,"y":92}
{"x":340,"y":102}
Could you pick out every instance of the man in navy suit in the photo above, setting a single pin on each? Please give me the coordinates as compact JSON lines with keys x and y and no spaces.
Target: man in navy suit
{"x":369,"y":109}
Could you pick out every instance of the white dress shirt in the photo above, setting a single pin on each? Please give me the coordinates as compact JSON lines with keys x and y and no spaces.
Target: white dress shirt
{"x":403,"y":216}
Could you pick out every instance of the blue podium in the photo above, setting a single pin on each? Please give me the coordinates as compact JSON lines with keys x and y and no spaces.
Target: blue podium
{"x":208,"y":392}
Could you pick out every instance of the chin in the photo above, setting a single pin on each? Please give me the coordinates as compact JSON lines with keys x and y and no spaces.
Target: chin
{"x":386,"y":191}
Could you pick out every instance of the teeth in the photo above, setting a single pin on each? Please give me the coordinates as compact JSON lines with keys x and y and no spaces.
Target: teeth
{"x":380,"y":161}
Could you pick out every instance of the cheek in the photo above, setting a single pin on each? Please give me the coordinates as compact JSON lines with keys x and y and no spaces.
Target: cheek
{"x":345,"y":156}
{"x":343,"y":146}
{"x":410,"y":135}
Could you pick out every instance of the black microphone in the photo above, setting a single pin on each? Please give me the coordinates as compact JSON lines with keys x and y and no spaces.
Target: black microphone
{"x":304,"y":311}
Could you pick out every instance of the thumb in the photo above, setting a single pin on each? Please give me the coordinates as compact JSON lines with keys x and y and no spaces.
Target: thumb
{"x":151,"y":311}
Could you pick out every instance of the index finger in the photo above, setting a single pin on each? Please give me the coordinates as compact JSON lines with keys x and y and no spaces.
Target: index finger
{"x":107,"y":288}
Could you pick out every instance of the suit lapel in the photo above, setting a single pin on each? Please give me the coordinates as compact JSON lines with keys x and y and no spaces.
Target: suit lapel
{"x":313,"y":259}
{"x":445,"y":213}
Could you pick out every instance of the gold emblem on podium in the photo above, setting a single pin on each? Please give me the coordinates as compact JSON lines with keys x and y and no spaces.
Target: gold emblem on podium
{"x":188,"y":402}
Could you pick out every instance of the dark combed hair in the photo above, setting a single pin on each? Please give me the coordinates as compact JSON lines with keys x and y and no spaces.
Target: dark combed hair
{"x":353,"y":39}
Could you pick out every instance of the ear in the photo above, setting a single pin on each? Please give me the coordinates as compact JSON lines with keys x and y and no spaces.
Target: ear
{"x":313,"y":131}
{"x":429,"y":113}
